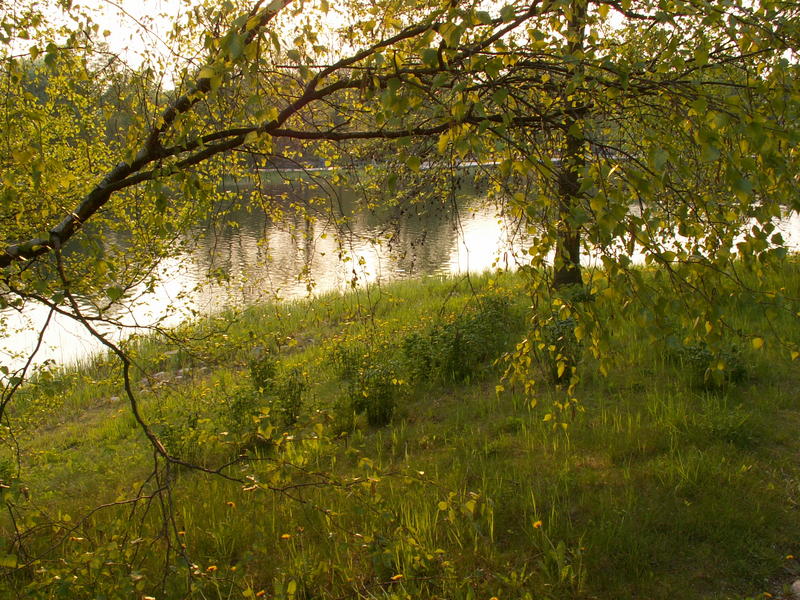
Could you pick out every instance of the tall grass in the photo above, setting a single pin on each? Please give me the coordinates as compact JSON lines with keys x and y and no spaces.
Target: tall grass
{"x":664,"y":487}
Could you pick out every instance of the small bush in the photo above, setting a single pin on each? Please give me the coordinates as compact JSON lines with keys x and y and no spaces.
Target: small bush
{"x":376,"y":396}
{"x":289,"y":390}
{"x":713,"y":369}
{"x":454,"y":351}
{"x":728,"y":424}
{"x":279,"y":388}
{"x":347,"y":361}
{"x":371,"y":386}
{"x":263,"y":370}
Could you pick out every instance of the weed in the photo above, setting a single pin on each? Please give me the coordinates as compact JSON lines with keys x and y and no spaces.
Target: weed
{"x":263,"y":370}
{"x":455,"y":350}
{"x":712,"y":369}
{"x":289,"y":390}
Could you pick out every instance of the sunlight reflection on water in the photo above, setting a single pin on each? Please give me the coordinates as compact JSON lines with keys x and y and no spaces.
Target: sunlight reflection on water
{"x":262,"y":261}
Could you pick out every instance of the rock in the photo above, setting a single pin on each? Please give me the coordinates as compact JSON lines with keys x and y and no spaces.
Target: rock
{"x":795,"y":589}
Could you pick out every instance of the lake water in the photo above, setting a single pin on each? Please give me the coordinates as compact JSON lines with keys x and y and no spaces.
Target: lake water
{"x":264,"y":260}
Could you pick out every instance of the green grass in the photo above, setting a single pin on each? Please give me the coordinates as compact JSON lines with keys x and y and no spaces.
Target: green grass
{"x":663,"y":487}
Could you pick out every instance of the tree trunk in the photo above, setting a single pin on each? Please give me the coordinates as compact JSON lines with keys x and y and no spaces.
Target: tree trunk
{"x":567,"y":263}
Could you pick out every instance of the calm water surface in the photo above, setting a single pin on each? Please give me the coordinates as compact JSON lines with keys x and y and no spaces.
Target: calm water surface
{"x":299,"y":257}
{"x":296,"y":258}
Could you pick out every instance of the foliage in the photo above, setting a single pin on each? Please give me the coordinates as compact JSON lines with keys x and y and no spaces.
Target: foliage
{"x":658,"y":137}
{"x":465,"y":493}
{"x":455,"y":350}
{"x":372,"y":385}
{"x":714,"y":370}
{"x":559,"y":349}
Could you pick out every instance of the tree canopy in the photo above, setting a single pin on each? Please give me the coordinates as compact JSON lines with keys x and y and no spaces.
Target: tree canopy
{"x":650,"y":148}
{"x":654,"y":131}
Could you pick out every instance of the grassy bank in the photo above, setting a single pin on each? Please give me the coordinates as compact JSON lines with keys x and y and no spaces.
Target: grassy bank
{"x":377,"y":458}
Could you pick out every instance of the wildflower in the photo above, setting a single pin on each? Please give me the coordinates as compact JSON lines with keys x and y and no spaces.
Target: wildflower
{"x":260,"y":594}
{"x":537,"y":525}
{"x":211,"y":568}
{"x":231,"y":504}
{"x":286,"y":536}
{"x":397,"y":577}
{"x":790,"y":557}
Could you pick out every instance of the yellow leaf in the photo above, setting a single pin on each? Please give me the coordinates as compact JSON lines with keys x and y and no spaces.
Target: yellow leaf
{"x":206,"y":73}
{"x":441,"y":145}
{"x":795,"y":354}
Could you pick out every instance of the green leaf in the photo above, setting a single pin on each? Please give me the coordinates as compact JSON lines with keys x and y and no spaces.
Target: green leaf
{"x":430,"y":56}
{"x":234,"y":44}
{"x":500,"y":96}
{"x":114,"y":293}
{"x":701,"y":56}
{"x":709,"y":152}
{"x":413,"y":163}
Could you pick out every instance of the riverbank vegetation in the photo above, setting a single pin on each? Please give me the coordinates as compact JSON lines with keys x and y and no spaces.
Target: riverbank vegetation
{"x":617,"y":420}
{"x":366,"y":445}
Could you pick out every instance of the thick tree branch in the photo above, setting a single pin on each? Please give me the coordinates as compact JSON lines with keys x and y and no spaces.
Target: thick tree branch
{"x":150,"y":151}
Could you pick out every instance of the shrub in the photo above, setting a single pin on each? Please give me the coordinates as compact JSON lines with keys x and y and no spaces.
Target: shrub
{"x":454,"y":351}
{"x":277,"y":387}
{"x":289,"y":390}
{"x":376,"y":395}
{"x":263,"y":369}
{"x":371,"y":385}
{"x":712,"y":369}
